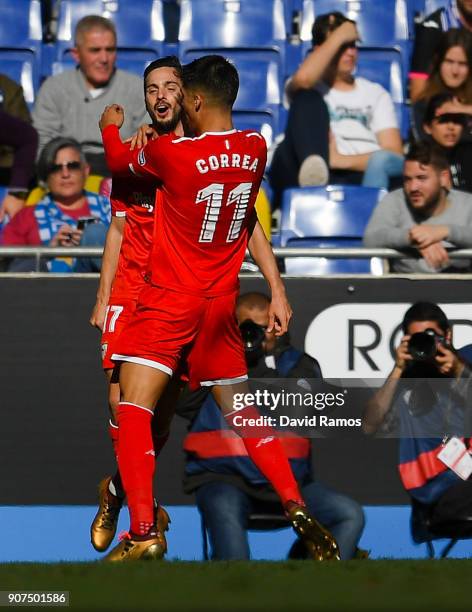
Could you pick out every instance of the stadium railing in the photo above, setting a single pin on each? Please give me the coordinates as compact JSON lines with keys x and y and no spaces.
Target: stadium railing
{"x":352,"y":253}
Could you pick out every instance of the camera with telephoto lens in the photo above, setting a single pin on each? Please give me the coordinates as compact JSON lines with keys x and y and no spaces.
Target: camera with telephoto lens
{"x":423,"y":346}
{"x":253,"y":336}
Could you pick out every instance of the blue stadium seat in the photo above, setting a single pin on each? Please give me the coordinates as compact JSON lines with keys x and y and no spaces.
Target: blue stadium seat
{"x":20,"y":43}
{"x":258,"y":122}
{"x":382,"y":25}
{"x":260,"y":95}
{"x":433,"y":5}
{"x":234,"y":28}
{"x":325,"y":217}
{"x":139,"y":26}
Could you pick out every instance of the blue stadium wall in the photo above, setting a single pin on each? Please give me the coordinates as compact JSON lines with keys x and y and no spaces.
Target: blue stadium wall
{"x":53,"y":438}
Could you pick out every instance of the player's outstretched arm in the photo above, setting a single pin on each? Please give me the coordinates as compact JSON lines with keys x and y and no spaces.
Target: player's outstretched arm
{"x":111,"y":254}
{"x":280,"y":311}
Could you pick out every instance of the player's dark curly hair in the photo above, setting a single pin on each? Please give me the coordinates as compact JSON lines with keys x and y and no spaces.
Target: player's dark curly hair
{"x":214,"y":75}
{"x":170,"y":61}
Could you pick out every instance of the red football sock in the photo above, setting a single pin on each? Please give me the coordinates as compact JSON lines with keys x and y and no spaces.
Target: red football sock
{"x":136,"y":462}
{"x":268,"y":454}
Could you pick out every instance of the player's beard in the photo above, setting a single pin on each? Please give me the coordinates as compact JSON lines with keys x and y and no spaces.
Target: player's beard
{"x":165,"y":127}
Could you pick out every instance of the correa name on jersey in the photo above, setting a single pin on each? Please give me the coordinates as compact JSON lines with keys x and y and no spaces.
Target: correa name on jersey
{"x":223,"y":160}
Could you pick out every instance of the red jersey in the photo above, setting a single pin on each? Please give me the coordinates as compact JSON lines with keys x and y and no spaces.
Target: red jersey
{"x":134,"y":199}
{"x":209,"y":188}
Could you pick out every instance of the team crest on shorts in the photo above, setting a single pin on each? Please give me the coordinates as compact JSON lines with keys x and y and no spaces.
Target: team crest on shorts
{"x":104,"y":349}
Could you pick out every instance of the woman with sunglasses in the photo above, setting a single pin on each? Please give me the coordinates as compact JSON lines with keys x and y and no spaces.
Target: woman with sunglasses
{"x":450,"y":74}
{"x":58,"y":220}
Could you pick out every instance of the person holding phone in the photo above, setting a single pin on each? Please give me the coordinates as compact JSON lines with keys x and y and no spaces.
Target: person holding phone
{"x":62,"y":218}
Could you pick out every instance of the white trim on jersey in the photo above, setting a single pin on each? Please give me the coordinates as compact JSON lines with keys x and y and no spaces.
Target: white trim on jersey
{"x":223,"y":381}
{"x":120,"y":213}
{"x":254,"y":134}
{"x":136,"y":406}
{"x":182,"y":138}
{"x":141,"y":361}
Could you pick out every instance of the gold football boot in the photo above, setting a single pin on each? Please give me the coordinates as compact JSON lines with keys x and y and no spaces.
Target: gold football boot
{"x":137,"y":550}
{"x":162,"y":524}
{"x":319,"y":542}
{"x":104,"y":524}
{"x":151,"y":549}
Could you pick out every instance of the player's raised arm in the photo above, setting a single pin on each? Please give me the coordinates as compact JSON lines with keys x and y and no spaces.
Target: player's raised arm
{"x":280,"y":311}
{"x":120,"y":159}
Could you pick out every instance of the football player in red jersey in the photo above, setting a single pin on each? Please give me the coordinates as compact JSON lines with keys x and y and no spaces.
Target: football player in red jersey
{"x":204,"y":225}
{"x":122,"y":278}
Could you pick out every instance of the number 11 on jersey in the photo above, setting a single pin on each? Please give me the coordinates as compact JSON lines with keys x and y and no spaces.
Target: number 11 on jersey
{"x":213,"y":196}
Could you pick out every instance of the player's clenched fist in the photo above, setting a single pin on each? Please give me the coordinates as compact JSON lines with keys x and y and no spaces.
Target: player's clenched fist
{"x":112,"y":115}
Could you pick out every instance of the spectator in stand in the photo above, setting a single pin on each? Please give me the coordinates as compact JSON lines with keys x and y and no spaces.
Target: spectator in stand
{"x":424,"y":217}
{"x":451,"y":72}
{"x":446,"y":129}
{"x":55,"y":220}
{"x":18,"y":144}
{"x":335,"y":118}
{"x":455,"y":14}
{"x":70,"y":104}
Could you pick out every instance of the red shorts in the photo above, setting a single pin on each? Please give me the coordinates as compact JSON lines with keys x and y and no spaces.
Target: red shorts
{"x":118,"y":314}
{"x":169,"y":326}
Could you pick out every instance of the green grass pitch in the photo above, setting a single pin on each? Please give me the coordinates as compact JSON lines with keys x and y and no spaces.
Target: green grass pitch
{"x":289,"y":586}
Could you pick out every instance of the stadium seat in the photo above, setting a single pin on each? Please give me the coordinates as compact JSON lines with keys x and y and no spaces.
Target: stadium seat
{"x":139,"y":26}
{"x":433,"y":5}
{"x":326,"y":217}
{"x":20,"y":43}
{"x":232,"y":24}
{"x":238,"y":29}
{"x":423,"y":532}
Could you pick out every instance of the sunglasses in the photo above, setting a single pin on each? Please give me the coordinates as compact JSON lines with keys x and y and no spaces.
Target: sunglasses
{"x":451,"y":118}
{"x":71,"y":166}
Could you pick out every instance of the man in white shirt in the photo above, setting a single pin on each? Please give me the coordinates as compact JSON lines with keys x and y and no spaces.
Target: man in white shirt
{"x":336,"y":119}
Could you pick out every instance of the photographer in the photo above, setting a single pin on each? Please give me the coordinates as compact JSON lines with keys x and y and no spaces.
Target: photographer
{"x":428,"y":390}
{"x":228,"y":486}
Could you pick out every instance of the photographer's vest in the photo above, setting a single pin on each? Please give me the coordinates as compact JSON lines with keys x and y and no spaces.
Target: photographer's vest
{"x":50,"y":218}
{"x":423,"y":475}
{"x":212,"y":446}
